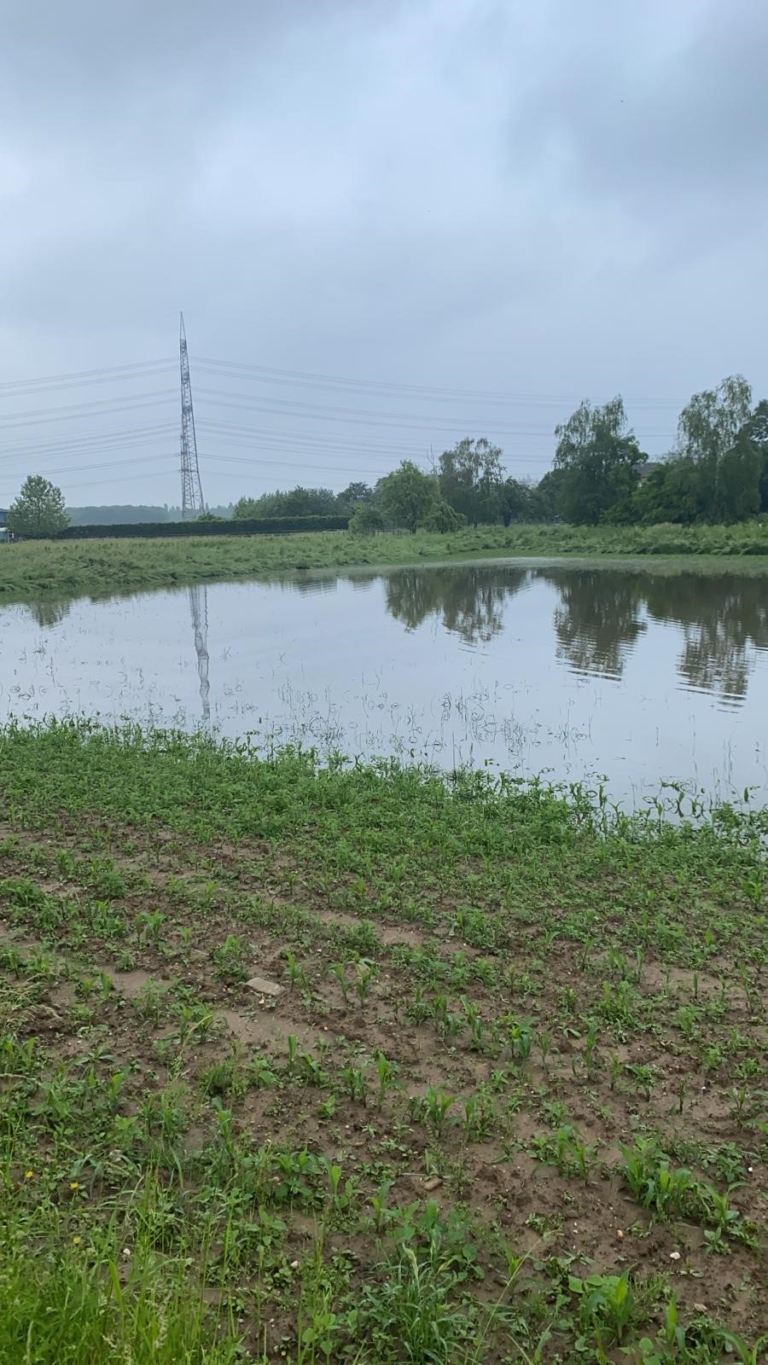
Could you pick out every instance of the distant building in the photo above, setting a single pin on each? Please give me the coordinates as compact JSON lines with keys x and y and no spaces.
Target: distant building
{"x":648,"y":468}
{"x":4,"y":523}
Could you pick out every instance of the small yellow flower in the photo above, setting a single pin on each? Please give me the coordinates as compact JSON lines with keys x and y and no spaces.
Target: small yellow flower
{"x":76,"y":1241}
{"x":73,"y":1185}
{"x":29,"y":1175}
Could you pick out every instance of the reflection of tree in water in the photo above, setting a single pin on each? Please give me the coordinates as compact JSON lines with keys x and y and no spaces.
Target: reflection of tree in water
{"x":722,"y":618}
{"x":48,"y":614}
{"x":360,"y":582}
{"x":469,"y":597}
{"x":597,"y":622}
{"x":310,"y":586}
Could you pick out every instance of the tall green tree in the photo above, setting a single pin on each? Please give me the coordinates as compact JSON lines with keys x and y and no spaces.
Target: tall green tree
{"x":353,"y":495}
{"x":471,"y":479}
{"x":407,"y":495}
{"x":713,"y":434}
{"x":39,"y":511}
{"x":518,"y":501}
{"x":599,"y":460}
{"x":757,"y":431}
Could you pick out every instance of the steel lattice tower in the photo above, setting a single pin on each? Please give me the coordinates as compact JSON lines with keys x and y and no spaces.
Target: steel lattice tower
{"x":191,"y":488}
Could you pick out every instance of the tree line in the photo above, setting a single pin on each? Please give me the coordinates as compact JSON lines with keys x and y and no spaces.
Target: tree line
{"x":717,"y":472}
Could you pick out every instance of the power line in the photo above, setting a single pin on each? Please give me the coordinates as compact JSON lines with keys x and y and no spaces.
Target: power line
{"x":364,"y":417}
{"x":75,"y":411}
{"x":111,"y":374}
{"x":139,"y":436}
{"x":123,"y":478}
{"x":312,"y":379}
{"x":246,"y":437}
{"x":267,"y":374}
{"x":117,"y":464}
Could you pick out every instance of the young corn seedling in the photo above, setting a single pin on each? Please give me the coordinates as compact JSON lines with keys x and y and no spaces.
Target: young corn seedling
{"x":478,"y":1117}
{"x":230,"y":959}
{"x":436,"y":1106}
{"x":295,"y":973}
{"x":519,"y":1036}
{"x":334,"y":1181}
{"x":728,"y":1223}
{"x":474,"y":1023}
{"x":616,"y":1070}
{"x":545,"y":1041}
{"x":356,"y":1084}
{"x":383,"y":1215}
{"x":607,"y":1306}
{"x":311,"y":1070}
{"x":149,"y":924}
{"x":740,"y":1350}
{"x":366,"y":973}
{"x":590,"y":1046}
{"x":386,"y":1072}
{"x":340,"y":972}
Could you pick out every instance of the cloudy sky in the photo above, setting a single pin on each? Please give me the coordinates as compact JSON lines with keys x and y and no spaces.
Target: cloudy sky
{"x":389,"y":223}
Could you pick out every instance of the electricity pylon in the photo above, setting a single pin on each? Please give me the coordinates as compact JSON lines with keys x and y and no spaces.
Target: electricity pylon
{"x":191,"y":488}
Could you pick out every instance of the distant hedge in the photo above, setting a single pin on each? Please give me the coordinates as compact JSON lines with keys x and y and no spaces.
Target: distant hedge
{"x":266,"y":526}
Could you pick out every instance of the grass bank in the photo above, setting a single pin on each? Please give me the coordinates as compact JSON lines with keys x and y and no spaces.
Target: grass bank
{"x":68,"y":569}
{"x":498,"y":1095}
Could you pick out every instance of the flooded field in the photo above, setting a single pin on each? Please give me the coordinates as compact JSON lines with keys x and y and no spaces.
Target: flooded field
{"x":573,"y":670}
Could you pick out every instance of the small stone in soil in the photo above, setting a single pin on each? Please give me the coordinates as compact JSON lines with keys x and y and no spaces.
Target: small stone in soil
{"x":261,"y":986}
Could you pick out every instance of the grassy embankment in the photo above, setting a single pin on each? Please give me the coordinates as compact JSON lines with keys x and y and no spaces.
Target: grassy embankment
{"x":72,"y":568}
{"x":509,"y":1104}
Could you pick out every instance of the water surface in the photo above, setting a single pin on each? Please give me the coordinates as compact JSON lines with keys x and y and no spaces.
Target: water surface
{"x":579,"y":670}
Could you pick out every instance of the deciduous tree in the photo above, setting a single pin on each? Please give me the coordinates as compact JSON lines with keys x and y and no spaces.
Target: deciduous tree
{"x":599,"y":459}
{"x":39,"y":511}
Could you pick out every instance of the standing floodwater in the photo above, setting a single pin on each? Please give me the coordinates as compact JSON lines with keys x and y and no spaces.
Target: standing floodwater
{"x":574,"y":670}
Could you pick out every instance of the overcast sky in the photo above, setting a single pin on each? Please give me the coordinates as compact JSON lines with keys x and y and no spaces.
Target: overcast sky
{"x":541,"y":201}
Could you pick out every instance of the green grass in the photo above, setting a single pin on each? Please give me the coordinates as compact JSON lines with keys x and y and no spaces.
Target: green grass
{"x":71,"y":568}
{"x":509,"y":1105}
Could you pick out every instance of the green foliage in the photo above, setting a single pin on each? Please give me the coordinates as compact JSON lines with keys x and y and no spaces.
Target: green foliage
{"x":407,"y":495}
{"x":441,"y":518}
{"x":410,"y":1316}
{"x":599,"y":461}
{"x":710,"y":423}
{"x":366,"y":519}
{"x":675,"y":1192}
{"x":353,"y":496}
{"x":38,"y":512}
{"x":715,"y":474}
{"x":296,"y":502}
{"x":471,"y":480}
{"x":522,"y":502}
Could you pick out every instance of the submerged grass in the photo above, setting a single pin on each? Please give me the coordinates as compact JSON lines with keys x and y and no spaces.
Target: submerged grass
{"x":498,"y":1097}
{"x":66,"y":569}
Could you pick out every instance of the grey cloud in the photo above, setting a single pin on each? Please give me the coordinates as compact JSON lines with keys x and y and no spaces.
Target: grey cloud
{"x":669,"y":129}
{"x":466,"y":193}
